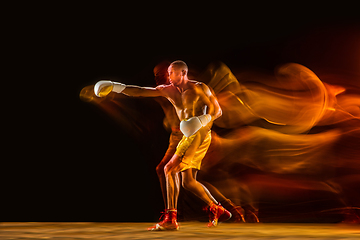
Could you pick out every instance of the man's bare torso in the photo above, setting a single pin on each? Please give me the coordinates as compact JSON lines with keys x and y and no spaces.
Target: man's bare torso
{"x":188,"y":102}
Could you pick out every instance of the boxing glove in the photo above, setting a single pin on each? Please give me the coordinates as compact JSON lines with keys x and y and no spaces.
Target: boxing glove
{"x":192,"y":125}
{"x":103,"y":88}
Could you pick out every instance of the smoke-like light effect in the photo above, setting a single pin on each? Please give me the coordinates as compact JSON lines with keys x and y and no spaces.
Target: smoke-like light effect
{"x":292,"y":133}
{"x":285,"y":138}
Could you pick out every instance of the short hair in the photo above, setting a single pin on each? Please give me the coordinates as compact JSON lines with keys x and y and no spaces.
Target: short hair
{"x":181,"y":65}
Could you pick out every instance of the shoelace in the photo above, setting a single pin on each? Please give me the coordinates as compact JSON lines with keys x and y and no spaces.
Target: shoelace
{"x":162,"y":215}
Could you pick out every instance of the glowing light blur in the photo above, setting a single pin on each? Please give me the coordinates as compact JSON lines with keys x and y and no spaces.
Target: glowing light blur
{"x":280,"y":135}
{"x":289,"y":124}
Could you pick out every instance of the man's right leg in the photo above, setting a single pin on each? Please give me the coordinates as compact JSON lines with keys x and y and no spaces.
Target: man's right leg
{"x":172,"y":175}
{"x":161,"y":175}
{"x":171,"y":170}
{"x":174,"y":140}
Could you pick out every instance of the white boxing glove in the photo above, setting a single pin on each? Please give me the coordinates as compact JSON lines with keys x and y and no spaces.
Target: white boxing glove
{"x":205,"y":119}
{"x":191,"y":126}
{"x":103,"y":88}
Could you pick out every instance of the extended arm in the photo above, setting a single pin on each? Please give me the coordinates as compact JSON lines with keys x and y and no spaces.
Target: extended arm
{"x":136,"y":91}
{"x":103,"y":88}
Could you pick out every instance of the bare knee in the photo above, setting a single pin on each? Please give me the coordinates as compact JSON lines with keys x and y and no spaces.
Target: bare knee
{"x":173,"y":166}
{"x":169,"y":170}
{"x":160,"y":167}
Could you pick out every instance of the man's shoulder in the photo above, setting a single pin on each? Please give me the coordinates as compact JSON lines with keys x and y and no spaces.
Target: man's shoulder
{"x":198,"y":84}
{"x":202,"y":87}
{"x":192,"y":81}
{"x":163,"y":86}
{"x":165,"y":89}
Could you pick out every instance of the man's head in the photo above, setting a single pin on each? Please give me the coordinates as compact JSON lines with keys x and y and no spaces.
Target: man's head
{"x":177,"y":72}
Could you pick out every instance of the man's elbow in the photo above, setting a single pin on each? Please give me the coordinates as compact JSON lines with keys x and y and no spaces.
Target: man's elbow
{"x":218,"y":113}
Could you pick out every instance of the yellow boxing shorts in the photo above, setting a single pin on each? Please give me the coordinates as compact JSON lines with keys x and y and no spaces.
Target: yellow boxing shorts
{"x":192,"y":150}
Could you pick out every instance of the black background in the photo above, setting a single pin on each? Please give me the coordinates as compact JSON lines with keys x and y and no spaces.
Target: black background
{"x":72,"y":162}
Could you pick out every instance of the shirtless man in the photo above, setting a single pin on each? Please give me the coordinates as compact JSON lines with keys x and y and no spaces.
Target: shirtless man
{"x":196,"y":108}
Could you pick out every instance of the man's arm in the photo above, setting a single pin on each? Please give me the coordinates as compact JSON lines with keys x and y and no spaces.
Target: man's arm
{"x":136,"y":91}
{"x":103,"y":88}
{"x":213,"y":107}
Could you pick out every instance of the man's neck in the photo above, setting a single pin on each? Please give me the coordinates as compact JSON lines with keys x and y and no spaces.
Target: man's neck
{"x":182,"y":85}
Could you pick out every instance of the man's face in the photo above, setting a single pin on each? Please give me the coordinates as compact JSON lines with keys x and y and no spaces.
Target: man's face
{"x":175,"y":75}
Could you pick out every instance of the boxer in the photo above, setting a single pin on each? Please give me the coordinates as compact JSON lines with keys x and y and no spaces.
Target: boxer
{"x":197,"y":108}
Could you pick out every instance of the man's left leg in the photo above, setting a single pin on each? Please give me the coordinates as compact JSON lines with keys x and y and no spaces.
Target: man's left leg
{"x":216,"y":212}
{"x":190,"y":183}
{"x":237,"y":211}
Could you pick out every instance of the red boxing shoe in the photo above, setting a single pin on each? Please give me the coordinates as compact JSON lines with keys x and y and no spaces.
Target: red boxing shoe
{"x":169,"y":222}
{"x":238,"y":213}
{"x":217,"y":214}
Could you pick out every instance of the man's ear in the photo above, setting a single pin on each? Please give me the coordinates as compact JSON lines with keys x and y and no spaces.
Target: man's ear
{"x":183,"y":72}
